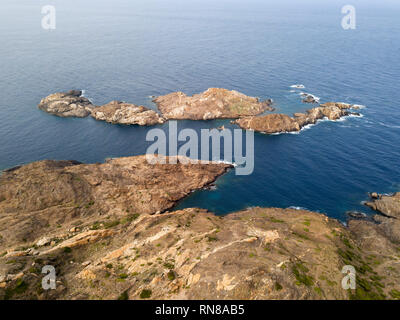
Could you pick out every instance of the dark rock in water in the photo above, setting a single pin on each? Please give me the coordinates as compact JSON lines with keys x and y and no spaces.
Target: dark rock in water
{"x":356,"y":215}
{"x":210,"y":187}
{"x":76,"y":93}
{"x":67,"y":104}
{"x":12,"y":169}
{"x":310,"y":99}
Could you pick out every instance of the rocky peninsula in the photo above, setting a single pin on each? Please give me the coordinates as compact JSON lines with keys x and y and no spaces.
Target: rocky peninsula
{"x":281,"y":123}
{"x":107,"y":230}
{"x":213,"y":103}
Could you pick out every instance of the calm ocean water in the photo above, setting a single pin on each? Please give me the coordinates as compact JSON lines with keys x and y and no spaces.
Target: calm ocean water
{"x":130,"y":50}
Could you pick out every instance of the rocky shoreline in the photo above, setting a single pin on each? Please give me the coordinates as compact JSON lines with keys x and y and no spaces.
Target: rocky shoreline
{"x":214,"y":103}
{"x":107,"y":230}
{"x":282,"y":123}
{"x":67,"y":104}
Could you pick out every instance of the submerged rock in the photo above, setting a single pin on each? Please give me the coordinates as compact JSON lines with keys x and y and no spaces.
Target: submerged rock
{"x":309,"y":98}
{"x":356,"y":215}
{"x":214,"y":103}
{"x":67,"y":104}
{"x":280,"y":123}
{"x":126,"y":113}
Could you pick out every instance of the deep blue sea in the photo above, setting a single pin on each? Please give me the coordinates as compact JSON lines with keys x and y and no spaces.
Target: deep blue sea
{"x":130,"y":50}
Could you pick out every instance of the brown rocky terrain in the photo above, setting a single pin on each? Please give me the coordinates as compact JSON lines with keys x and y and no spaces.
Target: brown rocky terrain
{"x":214,"y":103}
{"x":105,"y":229}
{"x":72,"y":104}
{"x":126,"y":113}
{"x":389,"y":218}
{"x":37,"y":197}
{"x":280,"y":123}
{"x":67,"y":104}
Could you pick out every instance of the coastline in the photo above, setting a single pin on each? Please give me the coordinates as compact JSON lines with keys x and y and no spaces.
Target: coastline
{"x":133,"y":242}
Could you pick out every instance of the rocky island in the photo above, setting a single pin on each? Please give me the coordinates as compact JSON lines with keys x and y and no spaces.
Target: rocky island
{"x":67,"y":104}
{"x":72,"y":104}
{"x":214,"y":103}
{"x":126,"y":113}
{"x":107,"y":230}
{"x":281,"y":123}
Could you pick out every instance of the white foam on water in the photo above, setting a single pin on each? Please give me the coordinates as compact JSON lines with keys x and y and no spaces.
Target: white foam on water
{"x":298,"y":208}
{"x":297,"y":86}
{"x":305,"y":94}
{"x":309,"y":126}
{"x":389,"y":125}
{"x":83,"y":95}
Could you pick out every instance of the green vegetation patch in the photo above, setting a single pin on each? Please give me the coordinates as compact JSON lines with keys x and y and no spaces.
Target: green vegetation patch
{"x":145,"y":294}
{"x":20,"y":287}
{"x":124,"y":296}
{"x":272,"y":219}
{"x":171,"y":275}
{"x":300,"y":272}
{"x":278,"y":286}
{"x":395,"y":294}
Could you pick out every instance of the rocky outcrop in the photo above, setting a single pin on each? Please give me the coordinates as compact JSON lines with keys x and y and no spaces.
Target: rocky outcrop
{"x":126,"y":113}
{"x":389,"y":218}
{"x":280,"y":123}
{"x":67,"y":104}
{"x":388,"y":205}
{"x":309,"y":98}
{"x":212,"y":104}
{"x":35,"y":198}
{"x":72,"y":104}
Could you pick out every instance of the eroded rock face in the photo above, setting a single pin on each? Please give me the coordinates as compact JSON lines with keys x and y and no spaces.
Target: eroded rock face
{"x":388,"y":205}
{"x":67,"y":104}
{"x":212,"y":104}
{"x":126,"y":113}
{"x":389,"y":218}
{"x":279,"y":123}
{"x":47,"y":193}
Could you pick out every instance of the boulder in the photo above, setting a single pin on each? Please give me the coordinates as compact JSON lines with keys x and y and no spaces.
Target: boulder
{"x":67,"y":104}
